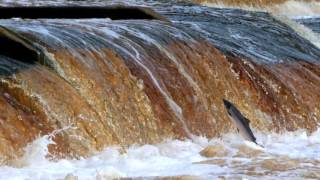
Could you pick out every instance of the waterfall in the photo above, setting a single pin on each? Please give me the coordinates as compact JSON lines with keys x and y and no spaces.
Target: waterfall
{"x":119,"y":81}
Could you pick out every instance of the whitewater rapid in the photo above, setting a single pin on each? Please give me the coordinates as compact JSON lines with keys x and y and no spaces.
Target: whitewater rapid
{"x":288,"y":155}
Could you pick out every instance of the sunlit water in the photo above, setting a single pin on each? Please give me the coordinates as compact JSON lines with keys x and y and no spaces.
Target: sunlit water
{"x":289,"y":155}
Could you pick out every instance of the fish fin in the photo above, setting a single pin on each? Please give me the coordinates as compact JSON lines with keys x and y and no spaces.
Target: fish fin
{"x":247,"y":121}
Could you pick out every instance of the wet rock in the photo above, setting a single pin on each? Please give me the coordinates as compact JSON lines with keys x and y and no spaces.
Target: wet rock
{"x":245,"y":151}
{"x":182,"y":178}
{"x":275,"y":165}
{"x":70,"y":177}
{"x":219,"y":162}
{"x":312,"y":175}
{"x":214,"y":151}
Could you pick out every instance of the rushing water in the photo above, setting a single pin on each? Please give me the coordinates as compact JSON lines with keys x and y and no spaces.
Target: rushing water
{"x":311,"y":22}
{"x":291,"y":155}
{"x":102,"y":98}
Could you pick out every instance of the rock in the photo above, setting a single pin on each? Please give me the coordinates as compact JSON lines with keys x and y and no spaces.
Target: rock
{"x":312,"y":175}
{"x":185,"y":177}
{"x":70,"y":177}
{"x":275,"y":165}
{"x":245,"y":151}
{"x":214,"y":151}
{"x":220,"y":162}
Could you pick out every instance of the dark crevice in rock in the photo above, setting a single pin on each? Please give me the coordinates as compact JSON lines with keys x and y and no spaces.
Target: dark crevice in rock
{"x":79,"y":12}
{"x":16,"y":50}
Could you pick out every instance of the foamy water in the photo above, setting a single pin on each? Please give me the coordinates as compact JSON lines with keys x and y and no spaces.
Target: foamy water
{"x":290,"y":155}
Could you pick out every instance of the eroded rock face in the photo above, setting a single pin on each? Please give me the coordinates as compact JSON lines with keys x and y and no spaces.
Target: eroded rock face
{"x":123,"y":82}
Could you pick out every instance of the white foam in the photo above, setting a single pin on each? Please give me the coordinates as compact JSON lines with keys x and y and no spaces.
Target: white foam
{"x":170,"y":158}
{"x":294,"y":8}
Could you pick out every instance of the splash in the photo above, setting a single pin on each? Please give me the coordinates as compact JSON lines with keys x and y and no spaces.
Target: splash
{"x":38,"y":151}
{"x":291,"y":154}
{"x":35,"y":152}
{"x":295,"y":8}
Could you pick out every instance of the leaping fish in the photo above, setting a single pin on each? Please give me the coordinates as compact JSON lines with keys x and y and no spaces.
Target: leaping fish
{"x":242,"y":124}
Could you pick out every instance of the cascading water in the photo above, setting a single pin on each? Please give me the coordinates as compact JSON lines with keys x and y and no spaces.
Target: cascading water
{"x":312,"y":23}
{"x":108,"y":88}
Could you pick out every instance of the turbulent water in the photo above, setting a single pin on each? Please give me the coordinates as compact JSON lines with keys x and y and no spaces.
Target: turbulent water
{"x":102,"y":98}
{"x":291,"y":155}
